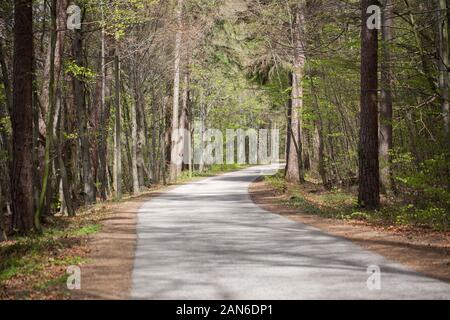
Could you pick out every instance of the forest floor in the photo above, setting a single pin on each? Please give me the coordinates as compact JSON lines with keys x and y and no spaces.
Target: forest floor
{"x":35,"y":267}
{"x":422,"y":249}
{"x":100,"y":240}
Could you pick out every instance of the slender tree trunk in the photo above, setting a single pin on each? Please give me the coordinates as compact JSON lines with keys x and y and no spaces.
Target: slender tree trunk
{"x":44,"y":95}
{"x":201,"y":165}
{"x":369,"y":174}
{"x":444,"y":65}
{"x":5,"y":78}
{"x":141,"y":141}
{"x":103,"y":145}
{"x":5,"y":143}
{"x":318,"y":141}
{"x":134,"y":143}
{"x":117,"y":131}
{"x":175,"y":161}
{"x":155,"y":135}
{"x":49,"y":139}
{"x":105,"y":117}
{"x":295,"y":171}
{"x":3,"y":235}
{"x":386,"y":136}
{"x":164,"y":139}
{"x":183,"y":119}
{"x":138,"y":132}
{"x":59,"y":137}
{"x":81,"y":107}
{"x":22,"y":118}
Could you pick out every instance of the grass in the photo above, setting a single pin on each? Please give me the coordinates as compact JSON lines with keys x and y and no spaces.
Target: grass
{"x":341,"y":204}
{"x":33,"y":266}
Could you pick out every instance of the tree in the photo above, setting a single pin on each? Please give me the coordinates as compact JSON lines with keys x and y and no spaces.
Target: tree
{"x":22,"y":118}
{"x":175,"y":155}
{"x":369,"y":175}
{"x":294,"y":170}
{"x":386,"y":135}
{"x":444,"y":64}
{"x":117,"y":128}
{"x":81,"y":109}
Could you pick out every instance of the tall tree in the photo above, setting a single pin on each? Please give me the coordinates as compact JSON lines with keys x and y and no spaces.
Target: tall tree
{"x":444,"y":64}
{"x":134,"y":146}
{"x":175,"y":156}
{"x":104,"y":115}
{"x":49,"y":137}
{"x":117,"y":128}
{"x":294,"y":170}
{"x":82,"y":115}
{"x":369,"y":175}
{"x":386,"y":142}
{"x":22,"y":118}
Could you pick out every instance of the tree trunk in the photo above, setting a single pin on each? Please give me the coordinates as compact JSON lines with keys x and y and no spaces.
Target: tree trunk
{"x":183,"y":119}
{"x":49,"y":138}
{"x":444,"y":65}
{"x":295,"y":172}
{"x":3,"y":235}
{"x":141,"y":134}
{"x":138,"y":130}
{"x":22,"y":118}
{"x":164,"y":140}
{"x":5,"y":78}
{"x":117,"y":131}
{"x":155,"y":134}
{"x":81,"y":107}
{"x":65,"y":195}
{"x":134,"y":143}
{"x":369,"y":175}
{"x":105,"y":107}
{"x":386,"y":143}
{"x":175,"y":163}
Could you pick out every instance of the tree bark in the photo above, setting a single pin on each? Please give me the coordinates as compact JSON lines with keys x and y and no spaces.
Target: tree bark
{"x":134,"y":147}
{"x":65,"y":195}
{"x":22,"y":118}
{"x":294,"y":171}
{"x":444,"y":65}
{"x":386,"y":133}
{"x":50,"y":112}
{"x":5,"y":79}
{"x":183,"y":118}
{"x":117,"y":131}
{"x":175,"y":163}
{"x":105,"y":110}
{"x":369,"y":175}
{"x":81,"y":107}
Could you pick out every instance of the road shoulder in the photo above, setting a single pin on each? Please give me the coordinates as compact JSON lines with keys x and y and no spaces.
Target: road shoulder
{"x":428,"y":253}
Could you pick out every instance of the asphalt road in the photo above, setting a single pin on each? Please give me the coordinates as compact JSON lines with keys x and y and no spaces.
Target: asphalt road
{"x":208,"y":240}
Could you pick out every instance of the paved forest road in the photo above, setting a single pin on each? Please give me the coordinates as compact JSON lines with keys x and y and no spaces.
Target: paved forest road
{"x":208,"y":240}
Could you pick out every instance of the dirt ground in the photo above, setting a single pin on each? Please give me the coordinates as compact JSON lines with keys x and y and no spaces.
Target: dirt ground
{"x":426,"y":251}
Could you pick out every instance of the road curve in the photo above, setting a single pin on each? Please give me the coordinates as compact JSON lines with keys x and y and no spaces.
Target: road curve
{"x":208,"y":240}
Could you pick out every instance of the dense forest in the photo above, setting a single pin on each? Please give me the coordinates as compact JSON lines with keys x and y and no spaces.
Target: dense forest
{"x":91,"y":91}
